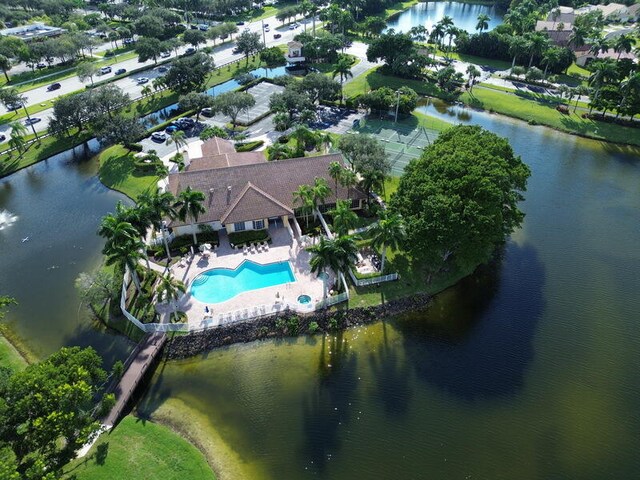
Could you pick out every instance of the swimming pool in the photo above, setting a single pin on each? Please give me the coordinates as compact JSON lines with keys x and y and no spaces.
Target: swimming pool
{"x":221,"y":284}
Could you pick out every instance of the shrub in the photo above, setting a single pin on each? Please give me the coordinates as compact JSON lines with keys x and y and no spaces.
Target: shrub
{"x":249,"y":146}
{"x":134,"y":147}
{"x":283,"y":139}
{"x":281,"y":324}
{"x":293,"y":325}
{"x":333,"y":324}
{"x":248,"y":236}
{"x":313,"y":327}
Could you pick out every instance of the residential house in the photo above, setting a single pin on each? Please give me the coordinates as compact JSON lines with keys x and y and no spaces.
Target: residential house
{"x":558,"y":32}
{"x":246,"y":192}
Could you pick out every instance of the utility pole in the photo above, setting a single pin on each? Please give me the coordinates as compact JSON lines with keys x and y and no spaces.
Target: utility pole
{"x":264,"y":37}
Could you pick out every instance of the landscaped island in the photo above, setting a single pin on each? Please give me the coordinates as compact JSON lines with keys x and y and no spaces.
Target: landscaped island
{"x":268,"y":207}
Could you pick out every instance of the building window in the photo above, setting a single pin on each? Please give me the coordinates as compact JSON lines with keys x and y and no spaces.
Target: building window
{"x":258,"y":224}
{"x":355,"y":203}
{"x":239,"y":227}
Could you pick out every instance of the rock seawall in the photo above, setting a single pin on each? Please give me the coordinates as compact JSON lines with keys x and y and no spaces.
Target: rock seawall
{"x":287,"y":324}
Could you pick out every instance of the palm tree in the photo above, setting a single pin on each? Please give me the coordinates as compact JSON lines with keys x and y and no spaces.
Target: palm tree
{"x":157,"y":206}
{"x":335,"y":172}
{"x":483,"y":22}
{"x":179,"y":138}
{"x":600,"y":44}
{"x":313,"y":10}
{"x":473,"y":72}
{"x":346,"y":254}
{"x":603,"y":72}
{"x":303,"y":136}
{"x":189,"y":204}
{"x":623,"y":43}
{"x":343,"y":69}
{"x":325,"y":140}
{"x":579,"y":90}
{"x":146,"y":90}
{"x":127,"y":255}
{"x":630,"y":84}
{"x":324,"y":256}
{"x":348,"y":179}
{"x":320,"y":191}
{"x":517,"y":46}
{"x":278,"y":151}
{"x":344,"y":219}
{"x":537,"y":43}
{"x":389,"y":231}
{"x":451,"y":31}
{"x":170,"y":290}
{"x":18,"y":132}
{"x":551,"y":56}
{"x":303,"y":197}
{"x":437,"y":34}
{"x":116,"y":231}
{"x":578,"y":37}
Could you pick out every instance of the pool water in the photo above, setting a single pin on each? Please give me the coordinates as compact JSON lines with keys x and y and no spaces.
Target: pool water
{"x":304,"y":299}
{"x":221,"y":284}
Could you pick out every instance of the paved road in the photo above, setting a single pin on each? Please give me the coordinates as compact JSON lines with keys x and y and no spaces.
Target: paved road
{"x":222,"y":54}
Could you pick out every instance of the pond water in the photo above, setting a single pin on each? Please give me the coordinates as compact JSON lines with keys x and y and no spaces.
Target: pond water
{"x":527,"y":369}
{"x":427,"y":14}
{"x":56,"y":206}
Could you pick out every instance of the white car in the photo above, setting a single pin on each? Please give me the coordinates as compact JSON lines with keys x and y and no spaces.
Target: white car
{"x":104,"y":70}
{"x":165,"y":54}
{"x":142,"y":80}
{"x":267,"y":29}
{"x":158,"y":136}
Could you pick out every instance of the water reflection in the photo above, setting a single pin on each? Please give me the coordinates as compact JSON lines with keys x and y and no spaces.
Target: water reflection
{"x":476,"y":340}
{"x":327,"y":410}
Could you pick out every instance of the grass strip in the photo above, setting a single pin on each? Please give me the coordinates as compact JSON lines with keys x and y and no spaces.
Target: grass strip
{"x":137,"y":448}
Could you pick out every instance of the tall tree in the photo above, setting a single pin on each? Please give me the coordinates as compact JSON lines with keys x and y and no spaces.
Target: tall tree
{"x":389,"y":231}
{"x":17,"y":140}
{"x":342,"y":69}
{"x":86,"y":70}
{"x":344,"y":219}
{"x":623,"y":44}
{"x":232,"y":104}
{"x":5,"y":66}
{"x":249,"y":43}
{"x":170,"y":290}
{"x":324,"y":257}
{"x":303,"y":198}
{"x":483,"y":22}
{"x":335,"y":172}
{"x":190,"y":205}
{"x":49,"y":410}
{"x":149,"y":48}
{"x":178,"y":138}
{"x":460,"y":199}
{"x":189,"y":74}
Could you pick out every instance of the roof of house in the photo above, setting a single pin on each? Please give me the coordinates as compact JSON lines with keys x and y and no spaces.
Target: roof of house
{"x":253,"y":191}
{"x":226,"y":160}
{"x":545,"y":26}
{"x":294,"y":44}
{"x":216,"y":146}
{"x":611,"y":8}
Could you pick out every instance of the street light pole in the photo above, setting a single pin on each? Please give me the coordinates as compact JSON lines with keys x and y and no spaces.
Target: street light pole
{"x":397,"y":106}
{"x":264,"y":37}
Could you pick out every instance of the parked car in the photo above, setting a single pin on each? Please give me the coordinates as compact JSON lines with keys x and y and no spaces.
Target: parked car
{"x":292,"y":27}
{"x":53,"y":86}
{"x":239,"y":23}
{"x":266,"y":25}
{"x":203,"y":27}
{"x":41,"y":65}
{"x":158,"y":136}
{"x":128,"y":41}
{"x":171,"y":128}
{"x":3,"y":137}
{"x":236,"y":50}
{"x":266,"y":29}
{"x":277,"y":35}
{"x":224,"y":36}
{"x":165,"y":54}
{"x":105,"y":70}
{"x":207,"y":112}
{"x":32,"y":120}
{"x":121,"y":71}
{"x":190,"y":51}
{"x":185,"y":123}
{"x":14,"y":106}
{"x":142,"y":80}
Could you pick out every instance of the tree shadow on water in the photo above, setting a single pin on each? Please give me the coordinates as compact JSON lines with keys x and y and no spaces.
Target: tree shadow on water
{"x":327,"y":409}
{"x":475,"y":340}
{"x":392,"y":377}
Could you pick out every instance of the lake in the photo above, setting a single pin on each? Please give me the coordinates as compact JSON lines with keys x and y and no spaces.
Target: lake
{"x":527,"y":369}
{"x":427,"y":14}
{"x":58,"y":205}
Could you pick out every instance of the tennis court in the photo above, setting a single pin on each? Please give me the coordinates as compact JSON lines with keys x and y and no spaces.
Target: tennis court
{"x":403,"y":141}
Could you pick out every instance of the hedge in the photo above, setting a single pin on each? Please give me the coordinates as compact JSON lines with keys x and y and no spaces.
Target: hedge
{"x":237,"y":239}
{"x":249,"y":146}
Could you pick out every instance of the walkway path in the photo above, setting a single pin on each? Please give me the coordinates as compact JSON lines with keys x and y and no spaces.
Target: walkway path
{"x":137,"y":364}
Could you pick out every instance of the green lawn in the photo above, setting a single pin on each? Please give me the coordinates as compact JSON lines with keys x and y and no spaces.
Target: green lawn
{"x":372,"y":80}
{"x":398,"y":7}
{"x":545,"y":114}
{"x":9,"y":356}
{"x":46,"y":148}
{"x":140,"y":450}
{"x":117,"y":171}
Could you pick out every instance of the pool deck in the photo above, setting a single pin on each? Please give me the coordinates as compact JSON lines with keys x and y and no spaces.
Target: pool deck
{"x":254,"y":302}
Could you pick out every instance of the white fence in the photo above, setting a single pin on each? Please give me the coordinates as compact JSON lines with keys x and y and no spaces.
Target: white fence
{"x":146,"y":327}
{"x":363,"y":282}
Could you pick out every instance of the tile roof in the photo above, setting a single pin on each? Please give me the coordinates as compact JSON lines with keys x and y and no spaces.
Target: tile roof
{"x":254,"y":204}
{"x":257,"y":189}
{"x":226,"y":160}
